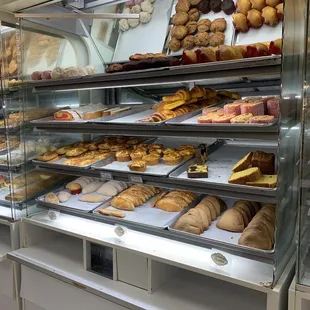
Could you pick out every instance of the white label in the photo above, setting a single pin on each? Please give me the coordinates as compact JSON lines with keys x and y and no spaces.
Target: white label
{"x":120,"y":231}
{"x":135,"y":179}
{"x":106,"y":176}
{"x":220,"y":262}
{"x":53,"y":214}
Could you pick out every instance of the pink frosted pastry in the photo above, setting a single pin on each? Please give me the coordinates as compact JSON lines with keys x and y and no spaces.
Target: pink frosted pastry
{"x":223,"y":119}
{"x":207,"y":111}
{"x":220,"y":112}
{"x":232,"y":108}
{"x":254,"y":108}
{"x":47,"y":75}
{"x":241,"y":119}
{"x":261,"y":119}
{"x":36,"y":75}
{"x":273,"y":107}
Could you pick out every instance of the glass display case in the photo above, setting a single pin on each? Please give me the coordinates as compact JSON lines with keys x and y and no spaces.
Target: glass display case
{"x":164,"y":158}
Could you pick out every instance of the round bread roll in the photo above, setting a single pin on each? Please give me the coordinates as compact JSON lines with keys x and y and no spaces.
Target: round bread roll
{"x":126,"y":10}
{"x":136,"y":9}
{"x":179,"y":32}
{"x":64,"y":196}
{"x":123,"y":24}
{"x":147,"y":6}
{"x":133,"y":23}
{"x":145,"y":17}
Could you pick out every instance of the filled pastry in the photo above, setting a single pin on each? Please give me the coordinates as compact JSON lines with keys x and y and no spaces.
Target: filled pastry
{"x":207,"y":54}
{"x":174,"y":44}
{"x":219,"y":24}
{"x":279,"y":9}
{"x":202,"y":39}
{"x":244,"y":6}
{"x":182,"y":6}
{"x":204,"y":25}
{"x":179,"y":32}
{"x":194,"y":2}
{"x":270,"y":16}
{"x":255,"y":18}
{"x":194,"y":15}
{"x":192,"y":27}
{"x":188,"y":42}
{"x":215,"y":5}
{"x":228,"y":6}
{"x":204,"y":6}
{"x":258,"y":4}
{"x":180,"y":19}
{"x":217,"y":39}
{"x":240,"y":22}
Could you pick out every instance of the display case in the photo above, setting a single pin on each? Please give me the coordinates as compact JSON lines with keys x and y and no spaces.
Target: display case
{"x":183,"y":164}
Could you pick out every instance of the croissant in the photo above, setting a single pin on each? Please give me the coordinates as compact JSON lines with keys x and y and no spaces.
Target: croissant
{"x":185,"y":94}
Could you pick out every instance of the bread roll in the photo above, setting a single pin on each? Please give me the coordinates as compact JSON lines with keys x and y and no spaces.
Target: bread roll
{"x":52,"y":198}
{"x":107,"y":189}
{"x":92,"y":187}
{"x":123,"y":204}
{"x":92,"y":198}
{"x":231,"y":220}
{"x":64,"y":196}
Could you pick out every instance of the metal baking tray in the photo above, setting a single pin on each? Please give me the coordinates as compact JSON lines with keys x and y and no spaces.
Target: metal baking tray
{"x":220,"y":165}
{"x":190,"y":119}
{"x":72,"y":203}
{"x":146,"y":215}
{"x":110,"y":164}
{"x":219,"y":236}
{"x":264,"y":34}
{"x":229,"y":32}
{"x":3,"y":192}
{"x":146,"y":38}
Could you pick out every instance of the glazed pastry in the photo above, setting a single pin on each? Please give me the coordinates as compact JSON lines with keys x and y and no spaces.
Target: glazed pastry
{"x":202,"y":39}
{"x":182,"y":6}
{"x":217,"y":39}
{"x":255,"y":19}
{"x":194,"y":2}
{"x":244,"y":6}
{"x":215,"y":5}
{"x":270,"y":16}
{"x":145,"y":17}
{"x":179,"y":32}
{"x":74,"y":188}
{"x":204,"y":6}
{"x":192,"y":27}
{"x":123,"y":155}
{"x":133,"y":23}
{"x":279,"y":9}
{"x":174,"y":44}
{"x":147,"y":6}
{"x":273,"y":3}
{"x":219,"y":24}
{"x":151,"y":159}
{"x":193,"y":15}
{"x":228,"y":6}
{"x":204,"y":25}
{"x":258,"y":4}
{"x":136,"y":9}
{"x":172,"y":159}
{"x":188,"y":42}
{"x":240,"y":22}
{"x":180,"y":19}
{"x":137,"y":165}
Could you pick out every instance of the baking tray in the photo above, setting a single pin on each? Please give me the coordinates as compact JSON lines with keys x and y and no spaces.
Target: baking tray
{"x":264,"y":34}
{"x":220,"y":165}
{"x":217,"y":235}
{"x":110,"y":164}
{"x":3,"y":192}
{"x":229,"y":32}
{"x":146,"y":215}
{"x":146,"y":38}
{"x":72,"y":203}
{"x":191,"y":118}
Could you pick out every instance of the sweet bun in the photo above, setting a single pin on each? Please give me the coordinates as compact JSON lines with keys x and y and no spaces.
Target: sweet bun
{"x":202,"y":39}
{"x":107,"y":189}
{"x":179,"y":32}
{"x":64,"y":196}
{"x":174,"y":44}
{"x":179,"y":19}
{"x":255,"y":19}
{"x":183,"y":6}
{"x":192,"y":27}
{"x":188,"y":42}
{"x":51,"y":198}
{"x":258,"y":4}
{"x":270,"y":16}
{"x":193,"y":15}
{"x":204,"y":25}
{"x":240,"y":22}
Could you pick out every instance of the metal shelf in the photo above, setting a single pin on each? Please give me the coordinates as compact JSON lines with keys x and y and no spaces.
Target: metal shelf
{"x":264,"y":66}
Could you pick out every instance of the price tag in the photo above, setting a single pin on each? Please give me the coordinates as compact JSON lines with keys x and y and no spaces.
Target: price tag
{"x":106,"y":176}
{"x":220,"y":262}
{"x":53,"y":214}
{"x":135,"y":179}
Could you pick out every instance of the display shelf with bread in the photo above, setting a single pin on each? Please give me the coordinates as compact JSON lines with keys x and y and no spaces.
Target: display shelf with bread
{"x":157,"y":209}
{"x":236,"y":223}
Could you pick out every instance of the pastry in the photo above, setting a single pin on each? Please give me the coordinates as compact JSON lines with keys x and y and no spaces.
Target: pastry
{"x":74,"y":188}
{"x":174,"y":44}
{"x":202,"y":39}
{"x":264,"y":161}
{"x":64,"y":196}
{"x":92,"y":198}
{"x":255,"y":18}
{"x":151,"y":159}
{"x":204,"y":6}
{"x":145,"y":17}
{"x":123,"y":155}
{"x":133,"y":23}
{"x":137,"y":154}
{"x":215,"y":5}
{"x":123,"y":25}
{"x":273,"y":3}
{"x":248,"y":175}
{"x":194,"y":2}
{"x":217,"y":39}
{"x":63,"y":150}
{"x":231,"y":220}
{"x":182,"y":6}
{"x":114,"y":213}
{"x":244,"y":163}
{"x":261,"y":119}
{"x":204,"y":25}
{"x":193,"y":15}
{"x":136,"y":9}
{"x":108,"y":189}
{"x":179,"y":32}
{"x":51,"y":198}
{"x":268,"y":181}
{"x":243,"y":6}
{"x":192,"y":27}
{"x":197,"y":171}
{"x":47,"y":156}
{"x":187,"y":153}
{"x":219,"y":24}
{"x":137,"y":165}
{"x":179,"y":19}
{"x":172,"y":159}
{"x":188,"y":42}
{"x":76,"y":151}
{"x":90,"y":188}
{"x":258,"y":4}
{"x":228,"y":6}
{"x":207,"y":54}
{"x":240,"y":22}
{"x":147,"y":6}
{"x":279,"y":9}
{"x":270,"y":16}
